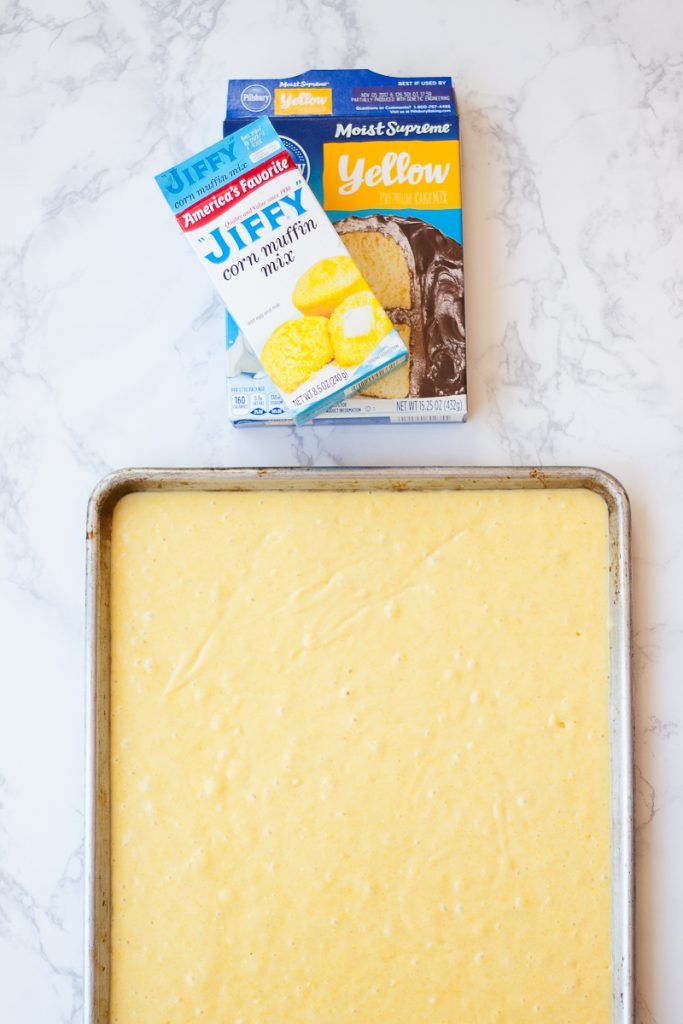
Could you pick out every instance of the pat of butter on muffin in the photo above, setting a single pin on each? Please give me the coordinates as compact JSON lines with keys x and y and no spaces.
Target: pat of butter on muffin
{"x":358,"y":321}
{"x":369,"y":325}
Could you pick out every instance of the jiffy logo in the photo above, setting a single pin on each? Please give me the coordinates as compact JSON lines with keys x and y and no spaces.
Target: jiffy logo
{"x":299,"y":154}
{"x":249,"y":230}
{"x":255,"y":97}
{"x":180,"y":177}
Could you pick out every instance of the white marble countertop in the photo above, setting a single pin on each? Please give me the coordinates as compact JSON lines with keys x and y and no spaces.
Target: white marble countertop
{"x":572,"y":131}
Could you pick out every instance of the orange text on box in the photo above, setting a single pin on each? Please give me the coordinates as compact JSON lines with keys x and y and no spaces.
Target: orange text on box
{"x":303,"y":102}
{"x":391,"y":174}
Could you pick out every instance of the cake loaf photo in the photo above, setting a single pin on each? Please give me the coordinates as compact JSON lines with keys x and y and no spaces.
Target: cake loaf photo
{"x":382,"y":155}
{"x":415,"y":271}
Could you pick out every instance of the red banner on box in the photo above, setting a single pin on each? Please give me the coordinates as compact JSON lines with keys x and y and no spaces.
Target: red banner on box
{"x":213,"y":205}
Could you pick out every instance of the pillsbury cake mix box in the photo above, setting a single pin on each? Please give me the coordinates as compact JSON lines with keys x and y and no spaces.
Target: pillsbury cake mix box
{"x":382,"y":156}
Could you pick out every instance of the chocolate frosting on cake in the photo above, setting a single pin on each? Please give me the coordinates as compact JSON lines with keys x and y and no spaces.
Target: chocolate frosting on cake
{"x":437,"y":317}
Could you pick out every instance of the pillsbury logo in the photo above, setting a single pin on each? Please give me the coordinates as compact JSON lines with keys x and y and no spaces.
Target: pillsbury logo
{"x":299,"y":155}
{"x":255,"y":97}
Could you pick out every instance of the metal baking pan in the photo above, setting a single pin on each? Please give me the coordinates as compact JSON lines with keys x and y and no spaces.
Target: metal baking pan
{"x":114,"y":487}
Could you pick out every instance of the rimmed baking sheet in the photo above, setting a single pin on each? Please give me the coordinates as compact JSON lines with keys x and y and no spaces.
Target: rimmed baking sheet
{"x":115,"y":486}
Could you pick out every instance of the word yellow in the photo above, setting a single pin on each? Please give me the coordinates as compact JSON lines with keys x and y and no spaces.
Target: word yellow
{"x":394,"y":169}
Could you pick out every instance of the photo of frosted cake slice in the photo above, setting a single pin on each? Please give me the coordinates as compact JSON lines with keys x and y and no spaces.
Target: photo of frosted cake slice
{"x":416,"y":272}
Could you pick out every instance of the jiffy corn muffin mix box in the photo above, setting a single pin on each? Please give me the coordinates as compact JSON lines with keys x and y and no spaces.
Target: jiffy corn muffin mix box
{"x":382,"y":156}
{"x":305,"y":310}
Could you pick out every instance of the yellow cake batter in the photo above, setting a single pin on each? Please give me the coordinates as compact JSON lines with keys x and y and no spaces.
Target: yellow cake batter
{"x":360,"y":759}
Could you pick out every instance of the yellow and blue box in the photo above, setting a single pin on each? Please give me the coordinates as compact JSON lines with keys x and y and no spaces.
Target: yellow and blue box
{"x":382,"y":155}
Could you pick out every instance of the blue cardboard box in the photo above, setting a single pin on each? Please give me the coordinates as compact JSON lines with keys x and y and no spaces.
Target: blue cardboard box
{"x":382,"y":155}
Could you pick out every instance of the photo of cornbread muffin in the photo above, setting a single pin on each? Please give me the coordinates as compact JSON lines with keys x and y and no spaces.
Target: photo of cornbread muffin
{"x":416,"y":272}
{"x":295,"y":350}
{"x":328,"y":282}
{"x":357,"y":326}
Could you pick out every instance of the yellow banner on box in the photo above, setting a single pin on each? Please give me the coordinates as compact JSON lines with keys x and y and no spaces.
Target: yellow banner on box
{"x":391,"y":175}
{"x":303,"y":102}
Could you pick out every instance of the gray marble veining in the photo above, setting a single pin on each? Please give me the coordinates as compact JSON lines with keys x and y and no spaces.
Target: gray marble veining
{"x":112,"y":351}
